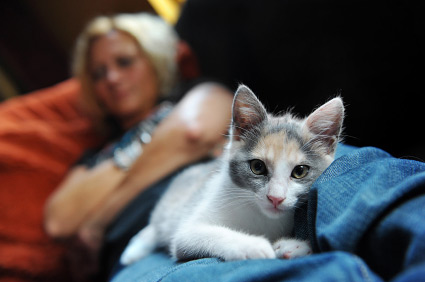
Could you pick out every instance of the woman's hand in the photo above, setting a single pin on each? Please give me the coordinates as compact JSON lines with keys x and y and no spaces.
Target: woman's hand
{"x":91,"y":235}
{"x":70,"y":206}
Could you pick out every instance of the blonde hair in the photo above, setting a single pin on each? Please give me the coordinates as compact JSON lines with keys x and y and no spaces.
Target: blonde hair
{"x":155,"y":37}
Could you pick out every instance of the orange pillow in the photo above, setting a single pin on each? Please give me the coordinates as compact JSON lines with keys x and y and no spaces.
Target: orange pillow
{"x":41,"y":135}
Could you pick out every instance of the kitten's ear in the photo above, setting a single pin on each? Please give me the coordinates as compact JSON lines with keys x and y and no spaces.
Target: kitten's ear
{"x":326,"y":123}
{"x":247,"y":112}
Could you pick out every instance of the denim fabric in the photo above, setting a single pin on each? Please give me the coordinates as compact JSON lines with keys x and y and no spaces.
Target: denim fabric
{"x":337,"y":266}
{"x":373,"y":205}
{"x":365,"y":219}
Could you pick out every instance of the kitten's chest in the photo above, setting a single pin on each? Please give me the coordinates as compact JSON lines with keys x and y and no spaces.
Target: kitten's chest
{"x":249,"y":219}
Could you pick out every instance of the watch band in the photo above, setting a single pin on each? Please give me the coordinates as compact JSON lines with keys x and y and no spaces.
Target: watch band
{"x":131,"y":145}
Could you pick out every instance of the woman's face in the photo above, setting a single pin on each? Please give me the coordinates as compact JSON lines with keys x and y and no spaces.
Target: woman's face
{"x":124,"y":79}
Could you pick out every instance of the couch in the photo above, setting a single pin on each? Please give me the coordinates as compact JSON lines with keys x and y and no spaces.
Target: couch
{"x":41,"y":135}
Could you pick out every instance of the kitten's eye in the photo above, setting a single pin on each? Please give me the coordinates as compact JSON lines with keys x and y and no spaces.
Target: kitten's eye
{"x":300,"y":171}
{"x":258,"y":167}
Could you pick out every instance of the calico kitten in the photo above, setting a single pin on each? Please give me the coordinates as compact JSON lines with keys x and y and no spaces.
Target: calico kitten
{"x":241,"y":206}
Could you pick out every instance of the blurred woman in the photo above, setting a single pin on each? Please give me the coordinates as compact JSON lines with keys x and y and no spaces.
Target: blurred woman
{"x":127,"y":68}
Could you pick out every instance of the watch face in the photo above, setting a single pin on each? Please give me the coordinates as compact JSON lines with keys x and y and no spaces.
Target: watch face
{"x":145,"y":137}
{"x":124,"y":157}
{"x":130,"y":147}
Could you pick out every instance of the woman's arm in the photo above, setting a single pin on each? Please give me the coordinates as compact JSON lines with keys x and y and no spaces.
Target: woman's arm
{"x":74,"y":199}
{"x":190,"y":132}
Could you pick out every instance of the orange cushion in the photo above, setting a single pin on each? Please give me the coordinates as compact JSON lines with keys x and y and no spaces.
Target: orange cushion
{"x":41,"y":135}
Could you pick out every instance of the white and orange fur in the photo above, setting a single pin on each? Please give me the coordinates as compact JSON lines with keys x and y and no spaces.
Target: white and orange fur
{"x":241,"y":206}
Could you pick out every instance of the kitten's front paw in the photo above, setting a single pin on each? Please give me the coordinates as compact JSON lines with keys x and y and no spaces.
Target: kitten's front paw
{"x":251,"y":248}
{"x":291,"y":248}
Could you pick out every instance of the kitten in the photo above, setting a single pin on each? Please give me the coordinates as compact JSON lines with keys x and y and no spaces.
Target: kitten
{"x":241,"y":206}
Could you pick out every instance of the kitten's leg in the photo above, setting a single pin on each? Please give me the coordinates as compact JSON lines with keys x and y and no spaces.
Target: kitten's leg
{"x":216,"y":241}
{"x":141,"y":245}
{"x":291,"y":248}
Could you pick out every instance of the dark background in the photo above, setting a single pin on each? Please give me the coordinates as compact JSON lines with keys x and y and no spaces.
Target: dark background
{"x":292,"y":53}
{"x":300,"y":53}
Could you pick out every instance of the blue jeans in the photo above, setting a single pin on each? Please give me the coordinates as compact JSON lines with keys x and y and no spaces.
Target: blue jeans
{"x":365,"y":219}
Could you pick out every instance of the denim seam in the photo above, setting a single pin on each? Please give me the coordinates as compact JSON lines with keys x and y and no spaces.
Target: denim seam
{"x":176,"y":268}
{"x":362,"y":269}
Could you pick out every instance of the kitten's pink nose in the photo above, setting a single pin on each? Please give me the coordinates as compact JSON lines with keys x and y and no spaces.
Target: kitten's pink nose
{"x":275,"y":200}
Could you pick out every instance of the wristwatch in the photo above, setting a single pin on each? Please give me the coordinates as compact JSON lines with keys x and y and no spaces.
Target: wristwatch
{"x":124,"y":157}
{"x":130,"y":147}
